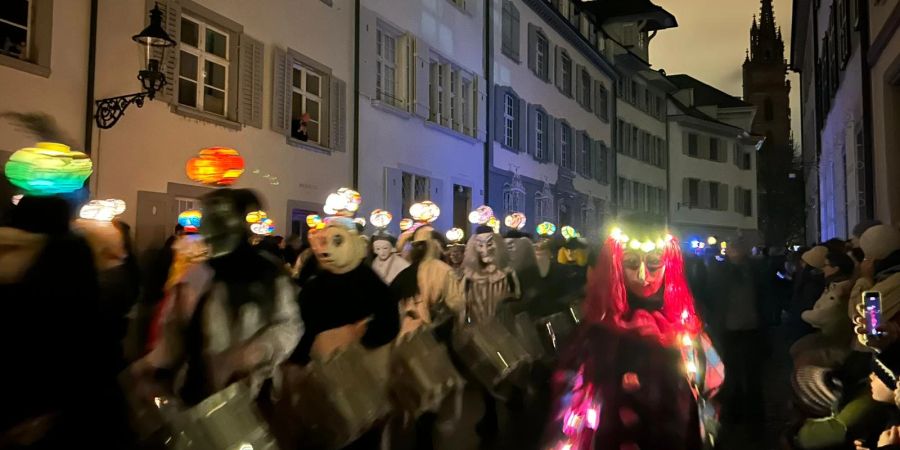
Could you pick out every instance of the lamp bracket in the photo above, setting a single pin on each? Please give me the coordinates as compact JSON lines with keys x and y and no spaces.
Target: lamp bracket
{"x":110,"y":110}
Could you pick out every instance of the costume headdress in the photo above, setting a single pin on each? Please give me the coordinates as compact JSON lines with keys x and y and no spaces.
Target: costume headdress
{"x":483,"y":216}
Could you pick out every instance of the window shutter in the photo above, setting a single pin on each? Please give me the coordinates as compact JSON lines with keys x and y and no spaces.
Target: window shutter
{"x":421,"y":74}
{"x":579,"y":152}
{"x":558,"y":66}
{"x":579,"y":85}
{"x":531,"y":129}
{"x":686,"y":144}
{"x":704,"y":194}
{"x":393,"y":191}
{"x":595,"y":106}
{"x":686,"y":192}
{"x":433,"y":70}
{"x":499,"y":107}
{"x":368,"y":26}
{"x":522,"y":126}
{"x":723,"y":197}
{"x":738,"y":200}
{"x":281,"y":79}
{"x":595,"y":160}
{"x":171,"y":10}
{"x":704,"y":146}
{"x":532,"y":48}
{"x":337,"y":108}
{"x":557,"y":148}
{"x":481,"y":118}
{"x":514,"y":21}
{"x":550,"y":153}
{"x":445,"y":108}
{"x":404,"y":73}
{"x":250,"y":59}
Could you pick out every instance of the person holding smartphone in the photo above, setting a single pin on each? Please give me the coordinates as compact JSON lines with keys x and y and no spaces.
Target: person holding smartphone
{"x":879,"y":271}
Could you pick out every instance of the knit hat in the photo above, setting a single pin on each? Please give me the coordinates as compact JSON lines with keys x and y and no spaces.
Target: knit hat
{"x":880,"y":241}
{"x":816,"y":256}
{"x":886,"y":366}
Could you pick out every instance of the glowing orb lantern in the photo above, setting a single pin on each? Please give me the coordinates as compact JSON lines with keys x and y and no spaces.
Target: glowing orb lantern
{"x":219,"y":166}
{"x":48,"y":168}
{"x":568,"y":232}
{"x":711,"y":240}
{"x":344,"y":202}
{"x":315,"y":222}
{"x":516,"y":221}
{"x":264,"y":227}
{"x":190,"y":220}
{"x":481,"y":215}
{"x":255,"y":216}
{"x":406,"y":224}
{"x":455,"y":235}
{"x":102,"y":210}
{"x":380,"y":218}
{"x":545,"y":229}
{"x":352,"y":199}
{"x":494,"y":224}
{"x":424,"y":212}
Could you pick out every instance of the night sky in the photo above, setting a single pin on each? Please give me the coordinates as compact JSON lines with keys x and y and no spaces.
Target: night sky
{"x":710,"y":41}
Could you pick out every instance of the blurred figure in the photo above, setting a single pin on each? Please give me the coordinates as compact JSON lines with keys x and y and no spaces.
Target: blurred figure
{"x":387,"y":263}
{"x":809,"y":283}
{"x":831,"y":344}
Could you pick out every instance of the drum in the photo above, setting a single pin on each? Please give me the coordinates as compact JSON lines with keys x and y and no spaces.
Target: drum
{"x":338,"y":399}
{"x":555,"y":329}
{"x":491,"y":353}
{"x":228,"y":419}
{"x":152,"y":412}
{"x":422,"y":373}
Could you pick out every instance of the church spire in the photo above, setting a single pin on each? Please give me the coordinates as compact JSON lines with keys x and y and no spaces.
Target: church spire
{"x":766,"y":16}
{"x":766,"y":41}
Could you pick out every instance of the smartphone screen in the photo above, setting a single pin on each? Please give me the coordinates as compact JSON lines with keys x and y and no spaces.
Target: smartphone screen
{"x":872,"y":302}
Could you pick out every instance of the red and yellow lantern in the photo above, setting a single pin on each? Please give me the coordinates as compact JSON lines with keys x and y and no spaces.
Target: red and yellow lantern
{"x":218,"y":166}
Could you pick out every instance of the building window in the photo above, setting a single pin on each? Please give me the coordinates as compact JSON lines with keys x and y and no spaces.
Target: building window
{"x":604,"y":103}
{"x":585,"y":89}
{"x":713,"y":195}
{"x":693,"y":145}
{"x":306,"y":104}
{"x":632,"y":92}
{"x":543,"y":205}
{"x":566,"y":73}
{"x":748,"y":164}
{"x":509,"y":120}
{"x":15,"y":28}
{"x":415,"y":188}
{"x":466,"y":99}
{"x":542,"y":52}
{"x":540,"y":138}
{"x":513,"y":199}
{"x":510,"y":30}
{"x":713,"y":149}
{"x":694,"y":192}
{"x":203,"y":67}
{"x":603,"y":164}
{"x":451,"y":97}
{"x":565,"y":146}
{"x":386,"y":68}
{"x":587,"y":162}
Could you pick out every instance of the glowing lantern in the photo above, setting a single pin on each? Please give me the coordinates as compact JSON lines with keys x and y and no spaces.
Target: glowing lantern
{"x":344,"y":202}
{"x":190,"y":220}
{"x":455,"y":235}
{"x":515,"y":221}
{"x":380,"y":218}
{"x":219,"y":166}
{"x":102,"y":210}
{"x":711,"y":240}
{"x":406,"y":224}
{"x":255,"y":216}
{"x":48,"y":168}
{"x":314,"y":222}
{"x":494,"y":224}
{"x":545,"y":229}
{"x":481,"y":215}
{"x":264,"y":227}
{"x":425,"y":212}
{"x":569,"y":232}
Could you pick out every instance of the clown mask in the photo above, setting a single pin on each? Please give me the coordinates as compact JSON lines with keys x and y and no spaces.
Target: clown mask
{"x":383,"y":249}
{"x":644,"y":272}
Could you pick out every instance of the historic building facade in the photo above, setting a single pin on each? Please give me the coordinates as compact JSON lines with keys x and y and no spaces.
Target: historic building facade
{"x":883,"y":58}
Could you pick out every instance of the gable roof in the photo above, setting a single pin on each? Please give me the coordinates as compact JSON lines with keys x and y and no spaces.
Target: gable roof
{"x":631,"y":10}
{"x":706,"y":95}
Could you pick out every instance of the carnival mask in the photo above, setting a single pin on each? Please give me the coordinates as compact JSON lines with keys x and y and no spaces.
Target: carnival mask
{"x":486,"y":248}
{"x":338,"y":249}
{"x":383,"y":249}
{"x":644,"y":272}
{"x":455,"y":255}
{"x":223,"y":226}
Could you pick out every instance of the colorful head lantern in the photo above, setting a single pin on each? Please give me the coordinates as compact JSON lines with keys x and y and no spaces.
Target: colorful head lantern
{"x":648,"y":253}
{"x":260,"y":223}
{"x":568,"y":232}
{"x":190,"y":220}
{"x":345,"y":202}
{"x":515,"y":221}
{"x":217,"y":166}
{"x":481,"y":215}
{"x":424,"y":212}
{"x":102,"y":210}
{"x":406,"y":224}
{"x":455,"y":236}
{"x":48,"y":169}
{"x":380,"y":218}
{"x":545,"y":229}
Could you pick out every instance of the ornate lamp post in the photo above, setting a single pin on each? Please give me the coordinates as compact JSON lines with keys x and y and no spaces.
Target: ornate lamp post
{"x":154,"y":41}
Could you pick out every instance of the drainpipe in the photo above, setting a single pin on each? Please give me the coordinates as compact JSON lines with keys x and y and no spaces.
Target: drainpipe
{"x":91,"y":71}
{"x":355,"y":95}
{"x":868,"y":131}
{"x":488,"y":104}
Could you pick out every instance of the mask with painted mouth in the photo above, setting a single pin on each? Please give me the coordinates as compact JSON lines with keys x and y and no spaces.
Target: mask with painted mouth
{"x":223,"y":227}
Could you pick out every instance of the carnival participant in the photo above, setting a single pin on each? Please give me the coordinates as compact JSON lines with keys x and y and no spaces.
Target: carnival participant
{"x":640,"y":368}
{"x":489,"y":280}
{"x":387,"y":263}
{"x":455,"y":251}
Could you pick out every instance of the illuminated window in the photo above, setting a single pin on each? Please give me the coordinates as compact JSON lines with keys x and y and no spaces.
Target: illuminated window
{"x":306,"y":103}
{"x":509,"y":120}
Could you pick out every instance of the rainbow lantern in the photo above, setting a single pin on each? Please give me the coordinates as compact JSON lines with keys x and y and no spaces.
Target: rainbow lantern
{"x":406,"y":224}
{"x":219,"y":166}
{"x":481,"y":215}
{"x":102,"y":210}
{"x":516,"y":221}
{"x":315,"y":222}
{"x":48,"y":168}
{"x":190,"y":220}
{"x":425,"y":212}
{"x":264,"y":227}
{"x":455,"y":235}
{"x":546,"y":229}
{"x":568,"y":232}
{"x":380,"y":218}
{"x":255,"y":216}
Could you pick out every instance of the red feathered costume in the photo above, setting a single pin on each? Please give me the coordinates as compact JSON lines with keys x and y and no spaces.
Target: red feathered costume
{"x":636,"y":376}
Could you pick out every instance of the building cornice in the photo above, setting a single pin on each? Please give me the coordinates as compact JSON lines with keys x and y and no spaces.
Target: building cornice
{"x":564,"y":29}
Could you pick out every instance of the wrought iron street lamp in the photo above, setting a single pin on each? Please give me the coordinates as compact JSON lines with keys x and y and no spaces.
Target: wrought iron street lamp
{"x":153,"y":41}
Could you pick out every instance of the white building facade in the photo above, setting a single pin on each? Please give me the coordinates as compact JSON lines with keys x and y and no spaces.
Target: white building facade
{"x":422,"y":106}
{"x":240,"y":76}
{"x":552,"y":108}
{"x":712,"y":163}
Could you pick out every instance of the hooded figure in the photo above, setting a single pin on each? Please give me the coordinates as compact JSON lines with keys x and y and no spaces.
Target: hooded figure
{"x":640,"y":371}
{"x":488,"y":278}
{"x":387,"y":263}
